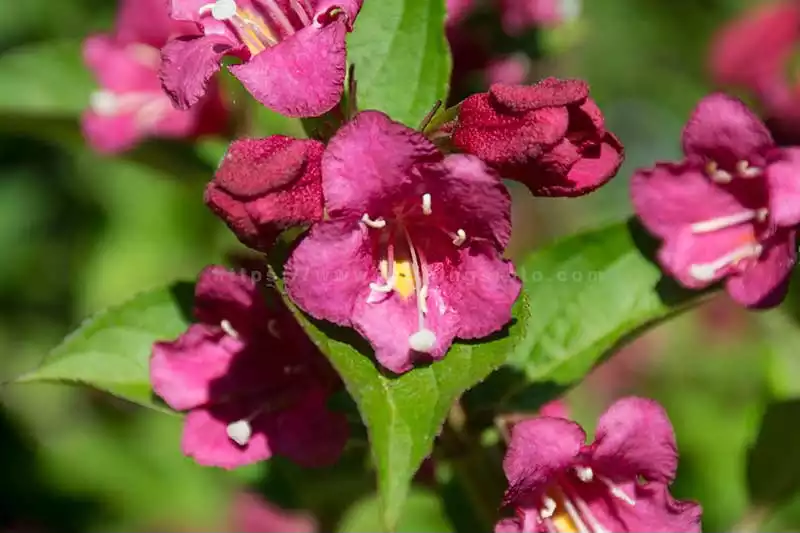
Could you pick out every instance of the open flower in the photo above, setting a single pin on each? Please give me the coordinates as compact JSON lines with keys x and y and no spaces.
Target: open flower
{"x":620,"y":482}
{"x":131,"y":105}
{"x":550,"y":136}
{"x":729,"y":210}
{"x":411,"y":253}
{"x":264,"y":186}
{"x":253,"y":383}
{"x":293,"y":51}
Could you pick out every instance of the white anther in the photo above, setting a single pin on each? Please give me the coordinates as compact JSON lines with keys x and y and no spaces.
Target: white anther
{"x":228,"y":329}
{"x":708,"y":271}
{"x":388,"y":287}
{"x":762,"y":214}
{"x":744,"y":169}
{"x":722,"y":176}
{"x":220,"y":10}
{"x":460,"y":238}
{"x":617,"y":492}
{"x":378,"y":223}
{"x":272,"y":327}
{"x":104,"y":103}
{"x":719,"y":223}
{"x":549,"y":508}
{"x":426,"y":204}
{"x":422,"y":341}
{"x":585,"y":473}
{"x":423,"y":299}
{"x":240,"y":432}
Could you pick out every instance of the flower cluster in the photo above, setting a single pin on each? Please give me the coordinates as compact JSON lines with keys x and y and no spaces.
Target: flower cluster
{"x":131,"y":105}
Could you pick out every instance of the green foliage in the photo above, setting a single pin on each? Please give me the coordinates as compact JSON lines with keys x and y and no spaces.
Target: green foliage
{"x":402,"y":61}
{"x":423,"y":512}
{"x":773,"y":468}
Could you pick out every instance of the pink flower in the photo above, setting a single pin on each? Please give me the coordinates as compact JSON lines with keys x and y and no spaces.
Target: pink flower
{"x":253,"y":383}
{"x":264,"y":186}
{"x":412,"y":247}
{"x":293,"y":51}
{"x":550,"y":136}
{"x":131,"y":105}
{"x":521,"y":15}
{"x":620,"y":482}
{"x":252,"y":514}
{"x":509,"y":70}
{"x":457,"y":10}
{"x":729,"y":210}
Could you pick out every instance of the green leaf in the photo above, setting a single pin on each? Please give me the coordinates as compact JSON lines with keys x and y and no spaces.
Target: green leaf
{"x":404,"y":414}
{"x":424,"y":512}
{"x":591,"y":292}
{"x":773,"y":466}
{"x":402,"y":61}
{"x":781,"y":338}
{"x":46,"y":80}
{"x":111,"y":351}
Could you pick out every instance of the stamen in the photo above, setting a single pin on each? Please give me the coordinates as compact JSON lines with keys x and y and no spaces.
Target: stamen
{"x":744,"y":169}
{"x":104,"y":103}
{"x":228,"y":329}
{"x":575,"y":516}
{"x":272,"y":327}
{"x":390,"y":275}
{"x":426,"y":204}
{"x":707,"y":271}
{"x":221,"y":9}
{"x":423,"y":296}
{"x":717,"y":175}
{"x":707,"y":226}
{"x":460,"y":237}
{"x":617,"y":492}
{"x":301,"y":13}
{"x":585,"y":473}
{"x":279,"y":16}
{"x":549,"y":508}
{"x":378,"y":223}
{"x":586,"y":511}
{"x":240,"y":432}
{"x":424,"y":339}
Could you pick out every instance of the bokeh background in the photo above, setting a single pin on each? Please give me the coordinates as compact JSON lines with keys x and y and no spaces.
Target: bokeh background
{"x":80,"y":231}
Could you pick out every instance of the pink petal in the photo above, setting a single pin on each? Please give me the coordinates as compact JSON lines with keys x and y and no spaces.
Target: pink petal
{"x":481,"y":279}
{"x":764,"y":284}
{"x":508,"y":525}
{"x":684,"y":249}
{"x":221,"y":294}
{"x":351,"y":9}
{"x":722,"y":129}
{"x":206,"y":440}
{"x":233,"y":212}
{"x":540,"y":449}
{"x":182,"y":371}
{"x":458,"y":10}
{"x":634,"y":437}
{"x":188,"y":64}
{"x":549,"y":92}
{"x":144,"y":21}
{"x":110,"y":135}
{"x":303,"y":76}
{"x":330,"y":269}
{"x":369,"y":161}
{"x":250,"y":513}
{"x":783,"y":181}
{"x":473,"y":197}
{"x":117,"y":66}
{"x":186,"y":9}
{"x":308,"y":433}
{"x":668,"y":197}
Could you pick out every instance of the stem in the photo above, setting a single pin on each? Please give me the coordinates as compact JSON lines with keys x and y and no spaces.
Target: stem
{"x":476,"y":468}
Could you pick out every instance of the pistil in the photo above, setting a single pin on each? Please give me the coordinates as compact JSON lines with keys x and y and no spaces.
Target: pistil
{"x":715,"y":224}
{"x":424,"y":339}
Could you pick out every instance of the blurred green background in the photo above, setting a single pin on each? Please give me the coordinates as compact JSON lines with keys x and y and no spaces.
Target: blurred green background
{"x":79,"y":232}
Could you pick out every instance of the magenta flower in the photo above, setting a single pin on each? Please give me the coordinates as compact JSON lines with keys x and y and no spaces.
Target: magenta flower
{"x":251,"y":513}
{"x":521,"y":15}
{"x":293,"y":51}
{"x":253,"y":383}
{"x":620,"y":482}
{"x":264,"y":186}
{"x":412,"y":247}
{"x":729,"y":210}
{"x":550,"y":136}
{"x":131,"y":104}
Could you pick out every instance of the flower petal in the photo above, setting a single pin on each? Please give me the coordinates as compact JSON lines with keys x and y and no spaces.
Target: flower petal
{"x":368,"y":162}
{"x":120,"y":68}
{"x":146,"y":22}
{"x":508,"y":525}
{"x":722,"y":129}
{"x":234,"y":214}
{"x":549,"y":92}
{"x":308,"y":433}
{"x":480,"y":280}
{"x":539,"y":449}
{"x":669,"y":197}
{"x":783,"y":181}
{"x":473,"y":197}
{"x":634,"y":437}
{"x":205,"y":437}
{"x":303,"y":76}
{"x":329,"y":269}
{"x":765,"y":283}
{"x":221,"y":294}
{"x":250,"y":513}
{"x":110,"y":135}
{"x":188,"y":64}
{"x":351,"y":9}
